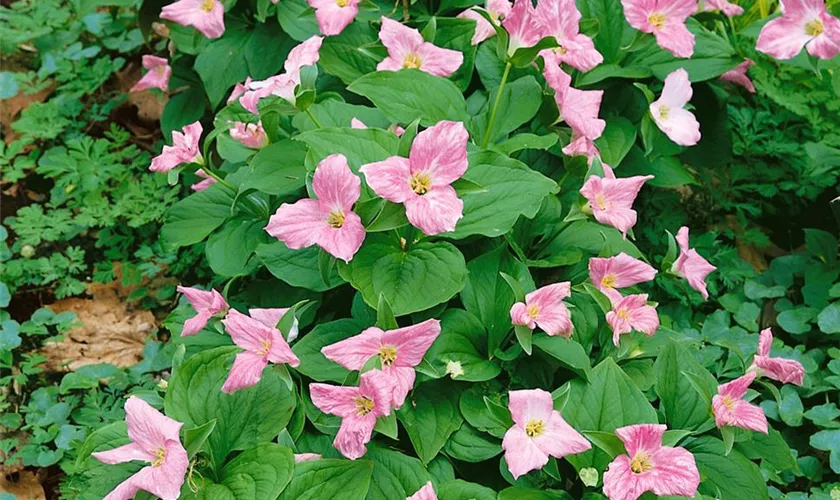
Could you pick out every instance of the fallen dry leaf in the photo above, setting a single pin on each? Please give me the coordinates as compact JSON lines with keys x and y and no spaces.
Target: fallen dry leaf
{"x":149,"y":106}
{"x":24,"y":486}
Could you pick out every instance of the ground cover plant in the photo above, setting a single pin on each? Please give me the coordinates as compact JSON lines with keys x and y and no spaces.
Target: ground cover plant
{"x":429,"y":272}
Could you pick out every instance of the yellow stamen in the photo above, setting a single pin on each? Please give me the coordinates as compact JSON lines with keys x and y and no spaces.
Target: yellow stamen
{"x":160,"y":455}
{"x":657,"y":20}
{"x":601,"y":201}
{"x":623,"y":313}
{"x":641,"y":463}
{"x":608,"y":281}
{"x":664,"y":111}
{"x":266,"y":346}
{"x":342,"y":3}
{"x":560,"y":50}
{"x":336,"y":219}
{"x":412,"y":61}
{"x":207,"y":5}
{"x":534,"y":428}
{"x":728,"y":402}
{"x":420,"y":183}
{"x":533,"y":311}
{"x":814,"y":28}
{"x":387,"y":355}
{"x":363,"y":405}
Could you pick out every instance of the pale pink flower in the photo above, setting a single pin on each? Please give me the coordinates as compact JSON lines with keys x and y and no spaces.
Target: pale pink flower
{"x":649,"y":466}
{"x":399,"y":352}
{"x":521,"y":25}
{"x":284,"y":84}
{"x":306,"y":457}
{"x":538,"y":431}
{"x":184,"y":149}
{"x":738,"y":75}
{"x":578,"y":108}
{"x":157,"y":77}
{"x":250,"y":135}
{"x":611,"y":199}
{"x":544,"y":307}
{"x":632,"y":313}
{"x":206,"y":304}
{"x":358,"y":407}
{"x":359,"y":124}
{"x":407,"y":49}
{"x":787,"y":371}
{"x":239,"y":89}
{"x":329,"y":221}
{"x":731,"y":410}
{"x":608,"y":274}
{"x":561,"y":19}
{"x":690,"y":265}
{"x":666,"y":20}
{"x":728,"y":8}
{"x":155,"y":438}
{"x":207,"y":16}
{"x":334,"y":15}
{"x":669,"y":111}
{"x":804,"y":23}
{"x":422,"y":181}
{"x":271,"y":316}
{"x":202,"y":185}
{"x":427,"y":492}
{"x":262,"y":344}
{"x":580,"y":145}
{"x":496,"y":9}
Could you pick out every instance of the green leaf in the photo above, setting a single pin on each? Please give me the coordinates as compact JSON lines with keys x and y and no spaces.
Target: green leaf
{"x":313,"y":363}
{"x":519,"y":493}
{"x":351,"y":54}
{"x":418,"y":277}
{"x":182,"y":109}
{"x":771,"y":447}
{"x":334,"y":113}
{"x":245,"y":418}
{"x":192,"y":219}
{"x":829,"y":318}
{"x":409,"y":94}
{"x":195,"y":437}
{"x":791,"y":409}
{"x":462,"y":490}
{"x":613,"y":33}
{"x":277,"y":169}
{"x":519,"y":102}
{"x":384,"y":315}
{"x":297,"y":19}
{"x":567,"y":351}
{"x":395,"y":475}
{"x":296,"y":267}
{"x":525,"y":141}
{"x":828,"y":440}
{"x":684,"y":408}
{"x":616,"y":141}
{"x":221,"y":65}
{"x":430,"y":415}
{"x":726,"y":476}
{"x":360,"y":146}
{"x":524,"y":336}
{"x":469,"y":445}
{"x":607,"y":442}
{"x":329,"y":478}
{"x":229,"y":249}
{"x":510,"y":189}
{"x":458,"y":350}
{"x":259,"y":472}
{"x":524,"y":56}
{"x":667,"y":171}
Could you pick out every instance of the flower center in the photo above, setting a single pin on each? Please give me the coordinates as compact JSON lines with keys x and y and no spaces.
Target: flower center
{"x":641,"y":463}
{"x":420,"y":183}
{"x":728,"y":402}
{"x":364,"y":405}
{"x":623,"y":313}
{"x":336,"y":219}
{"x":560,"y":50}
{"x":266,"y":346}
{"x":657,"y":20}
{"x":814,"y":28}
{"x":412,"y":61}
{"x":387,"y":355}
{"x":664,"y":111}
{"x":160,"y":457}
{"x":534,"y":428}
{"x":533,"y":311}
{"x":160,"y":70}
{"x":207,"y":5}
{"x":342,"y":3}
{"x":608,"y":281}
{"x":601,"y":201}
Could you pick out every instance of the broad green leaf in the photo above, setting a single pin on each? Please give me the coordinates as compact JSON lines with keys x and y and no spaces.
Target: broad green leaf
{"x":525,"y":141}
{"x":519,"y":493}
{"x":456,"y":34}
{"x":567,"y":351}
{"x":460,"y":350}
{"x":519,"y":102}
{"x":613,"y":31}
{"x":430,"y":415}
{"x":313,"y":363}
{"x":99,"y":478}
{"x":360,"y":146}
{"x":266,"y":50}
{"x":221,"y":65}
{"x":259,"y":472}
{"x":470,"y":445}
{"x":277,"y":169}
{"x":732,"y":476}
{"x":297,"y":19}
{"x":587,"y":236}
{"x":616,"y":141}
{"x":192,"y":219}
{"x":395,"y":475}
{"x":351,"y":54}
{"x":667,"y":171}
{"x":230,"y":248}
{"x":329,"y":478}
{"x":334,"y":113}
{"x":462,"y":490}
{"x":195,"y":437}
{"x":684,"y":408}
{"x":474,"y":408}
{"x":182,"y":109}
{"x":296,"y":267}
{"x":771,"y":447}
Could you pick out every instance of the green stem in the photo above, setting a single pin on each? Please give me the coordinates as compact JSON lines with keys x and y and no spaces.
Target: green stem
{"x":218,"y":179}
{"x":489,"y":131}
{"x":314,"y":120}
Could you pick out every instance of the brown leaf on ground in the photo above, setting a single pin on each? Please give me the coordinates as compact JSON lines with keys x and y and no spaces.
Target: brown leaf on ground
{"x":755,"y":255}
{"x":109,"y":332}
{"x":23,"y":485}
{"x":149,"y":106}
{"x":13,"y":106}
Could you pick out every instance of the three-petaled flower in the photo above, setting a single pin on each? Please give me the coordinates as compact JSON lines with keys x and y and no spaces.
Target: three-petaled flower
{"x":666,"y":20}
{"x":787,"y":371}
{"x":730,"y":409}
{"x":669,"y":113}
{"x":207,"y":16}
{"x":804,"y":23}
{"x":206,"y":304}
{"x":544,"y":307}
{"x":408,"y":50}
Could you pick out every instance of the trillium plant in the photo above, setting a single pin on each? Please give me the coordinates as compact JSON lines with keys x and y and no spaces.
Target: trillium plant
{"x":419,"y":218}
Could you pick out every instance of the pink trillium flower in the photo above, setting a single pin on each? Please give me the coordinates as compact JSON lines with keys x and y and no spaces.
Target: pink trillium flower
{"x":358,"y":407}
{"x":422,"y":181}
{"x":427,"y":492}
{"x":155,"y":438}
{"x":561,"y":19}
{"x":544,"y":307}
{"x":250,"y":135}
{"x":202,"y":185}
{"x":407,"y":49}
{"x":787,"y":371}
{"x":206,"y":304}
{"x":262,"y":343}
{"x":620,"y":271}
{"x":207,"y":16}
{"x":738,"y":75}
{"x":690,"y":265}
{"x":239,"y":89}
{"x":157,"y":77}
{"x":666,"y":20}
{"x":538,"y":431}
{"x":399,"y":352}
{"x":611,"y":200}
{"x":283,"y":85}
{"x":306,"y":457}
{"x":580,"y":145}
{"x":271,"y":316}
{"x":521,"y":25}
{"x":669,"y":111}
{"x":649,"y":466}
{"x":578,"y":108}
{"x":804,"y":23}
{"x":329,"y":221}
{"x":632,"y":313}
{"x":334,"y":15}
{"x":730,"y":409}
{"x":728,"y":8}
{"x":359,"y":124}
{"x":496,"y":9}
{"x":184,"y":149}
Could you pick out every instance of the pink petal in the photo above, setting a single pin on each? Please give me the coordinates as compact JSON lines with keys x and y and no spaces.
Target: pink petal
{"x":739,"y":76}
{"x":580,"y":145}
{"x":192,"y":13}
{"x":637,"y":12}
{"x":333,"y":18}
{"x":680,"y":125}
{"x":558,"y":18}
{"x":441,"y":152}
{"x":694,"y":268}
{"x":305,"y":457}
{"x":622,"y":219}
{"x":549,"y":296}
{"x":246,"y":371}
{"x":641,"y":437}
{"x":343,"y":243}
{"x":209,"y":301}
{"x":354,"y":352}
{"x":580,"y":108}
{"x":439,"y":61}
{"x":305,"y":54}
{"x":560,"y":439}
{"x":674,"y":472}
{"x":765,"y":342}
{"x":580,"y":53}
{"x":269,"y":316}
{"x":677,"y":89}
{"x":556,"y":320}
{"x":521,"y":452}
{"x":356,"y":123}
{"x":250,"y":135}
{"x":676,"y":39}
{"x":389,"y":179}
{"x":401,"y":381}
{"x":377,"y":386}
{"x":483,"y":28}
{"x":437,"y":211}
{"x":195,"y":324}
{"x":147,"y":427}
{"x":238,"y":90}
{"x":412,"y":342}
{"x":280,"y":352}
{"x":678,"y":9}
{"x":334,"y":399}
{"x":619,"y":272}
{"x":621,"y":483}
{"x":530,"y":404}
{"x":335,"y":184}
{"x":157,"y":77}
{"x":784,"y":37}
{"x":354,"y":434}
{"x":826,"y":45}
{"x":742,"y":414}
{"x":737,"y":388}
{"x":501,"y":8}
{"x":400,"y":40}
{"x":246,"y":332}
{"x":787,"y":371}
{"x":521,"y":25}
{"x":298,"y":225}
{"x":728,"y":8}
{"x":519,"y":316}
{"x":427,"y":492}
{"x":125,"y":453}
{"x":202,"y":185}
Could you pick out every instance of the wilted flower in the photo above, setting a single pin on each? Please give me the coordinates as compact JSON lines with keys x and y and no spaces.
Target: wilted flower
{"x":690,"y":265}
{"x":666,"y":20}
{"x":206,"y":304}
{"x":730,"y":409}
{"x":157,"y":76}
{"x":250,"y":135}
{"x":204,"y":184}
{"x":184,"y":149}
{"x":407,"y":49}
{"x":738,"y":75}
{"x":578,"y":108}
{"x":804,"y":23}
{"x":728,"y":8}
{"x":544,"y":307}
{"x":788,"y":371}
{"x":669,"y":111}
{"x":207,"y":16}
{"x":632,"y":313}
